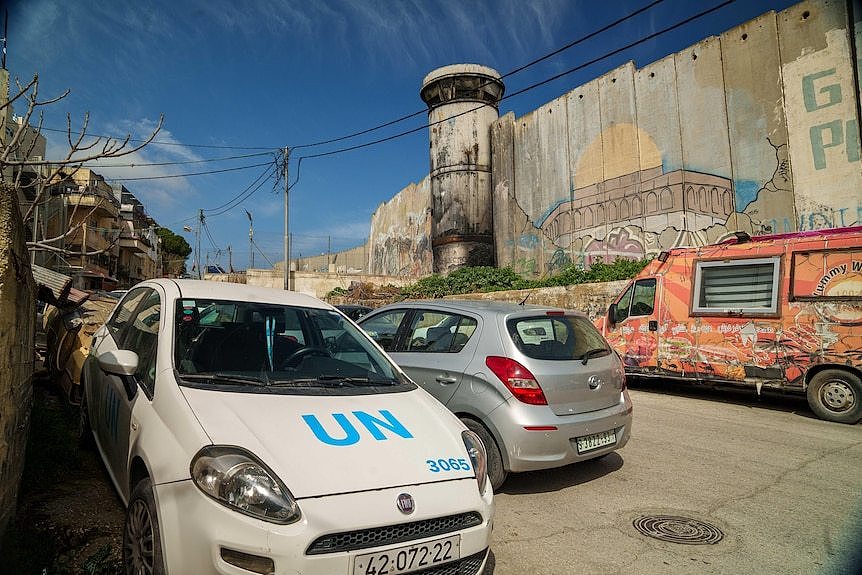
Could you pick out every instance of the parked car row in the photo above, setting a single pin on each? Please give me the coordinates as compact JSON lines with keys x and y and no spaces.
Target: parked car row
{"x":297,"y":443}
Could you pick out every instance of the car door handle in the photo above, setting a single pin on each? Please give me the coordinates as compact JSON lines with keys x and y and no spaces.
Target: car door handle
{"x":445,"y":379}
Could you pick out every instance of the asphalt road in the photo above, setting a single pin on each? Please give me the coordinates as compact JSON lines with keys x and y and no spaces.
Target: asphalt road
{"x":784,"y":488}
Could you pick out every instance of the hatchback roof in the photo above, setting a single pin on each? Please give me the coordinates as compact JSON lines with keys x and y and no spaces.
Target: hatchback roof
{"x":482,"y":305}
{"x":236,"y":292}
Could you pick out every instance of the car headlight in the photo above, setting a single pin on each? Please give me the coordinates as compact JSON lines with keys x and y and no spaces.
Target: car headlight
{"x":237,"y":479}
{"x":476,"y":451}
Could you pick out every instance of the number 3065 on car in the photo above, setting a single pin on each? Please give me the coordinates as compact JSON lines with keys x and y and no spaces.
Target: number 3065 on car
{"x":409,"y":558}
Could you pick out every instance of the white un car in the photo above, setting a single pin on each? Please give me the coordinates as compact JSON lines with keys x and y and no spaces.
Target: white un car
{"x":251,"y":430}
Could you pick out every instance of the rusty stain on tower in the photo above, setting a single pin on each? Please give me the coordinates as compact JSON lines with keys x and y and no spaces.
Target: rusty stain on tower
{"x":462,"y":104}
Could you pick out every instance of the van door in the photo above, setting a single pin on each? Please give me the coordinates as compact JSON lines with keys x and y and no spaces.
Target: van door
{"x":634,"y":329}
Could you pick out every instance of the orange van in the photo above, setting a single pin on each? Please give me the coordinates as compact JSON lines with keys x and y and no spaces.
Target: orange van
{"x":781,"y":311}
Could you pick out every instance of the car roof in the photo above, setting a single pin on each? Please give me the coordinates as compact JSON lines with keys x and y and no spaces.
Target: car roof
{"x":480,"y":306}
{"x":236,"y":292}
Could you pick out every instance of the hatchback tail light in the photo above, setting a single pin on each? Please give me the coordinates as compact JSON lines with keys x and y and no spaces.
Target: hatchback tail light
{"x":517,"y":379}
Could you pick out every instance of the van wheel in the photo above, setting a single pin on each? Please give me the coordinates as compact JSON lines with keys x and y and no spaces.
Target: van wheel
{"x":836,"y":395}
{"x":496,"y":473}
{"x":142,"y":543}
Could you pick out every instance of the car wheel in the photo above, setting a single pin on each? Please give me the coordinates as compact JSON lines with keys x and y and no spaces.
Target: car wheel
{"x":85,"y":431}
{"x":142,"y":544}
{"x":836,"y":395}
{"x":496,"y":473}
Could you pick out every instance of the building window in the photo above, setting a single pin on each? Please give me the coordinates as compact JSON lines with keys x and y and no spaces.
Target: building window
{"x":748,"y":287}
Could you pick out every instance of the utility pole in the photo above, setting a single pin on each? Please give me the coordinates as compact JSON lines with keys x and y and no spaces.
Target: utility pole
{"x":286,"y":223}
{"x":250,"y":240}
{"x":198,"y":242}
{"x":229,"y":259}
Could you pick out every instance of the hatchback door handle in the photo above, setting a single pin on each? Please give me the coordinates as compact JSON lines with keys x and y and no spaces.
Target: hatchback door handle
{"x":444,"y":379}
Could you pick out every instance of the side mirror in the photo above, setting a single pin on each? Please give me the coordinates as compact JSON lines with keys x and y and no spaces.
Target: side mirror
{"x":612,"y":315}
{"x":120,"y":362}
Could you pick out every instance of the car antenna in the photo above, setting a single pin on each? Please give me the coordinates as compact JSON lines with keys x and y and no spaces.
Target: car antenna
{"x":526,"y":297}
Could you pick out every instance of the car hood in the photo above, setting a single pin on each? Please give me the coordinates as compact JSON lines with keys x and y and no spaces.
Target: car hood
{"x":322,"y":445}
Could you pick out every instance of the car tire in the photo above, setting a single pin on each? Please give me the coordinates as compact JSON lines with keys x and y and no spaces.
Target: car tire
{"x":496,"y":473}
{"x":836,"y":395}
{"x":85,"y":430}
{"x":142,"y":543}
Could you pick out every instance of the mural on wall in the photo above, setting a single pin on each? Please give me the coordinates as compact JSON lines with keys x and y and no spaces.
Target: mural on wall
{"x":400,"y":238}
{"x":754,"y":131}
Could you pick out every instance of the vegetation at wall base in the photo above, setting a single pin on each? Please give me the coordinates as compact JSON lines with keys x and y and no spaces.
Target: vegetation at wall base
{"x":490,"y":279}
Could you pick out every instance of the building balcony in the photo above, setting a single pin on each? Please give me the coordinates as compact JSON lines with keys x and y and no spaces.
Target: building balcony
{"x":104,"y":207}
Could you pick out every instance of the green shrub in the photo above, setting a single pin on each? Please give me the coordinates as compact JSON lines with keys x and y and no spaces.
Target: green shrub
{"x":489,"y":279}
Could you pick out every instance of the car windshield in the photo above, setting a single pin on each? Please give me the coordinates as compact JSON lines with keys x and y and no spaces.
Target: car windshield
{"x":557,"y":337}
{"x":230,"y":343}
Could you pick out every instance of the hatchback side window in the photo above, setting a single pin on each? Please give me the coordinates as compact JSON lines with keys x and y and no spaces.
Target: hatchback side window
{"x":432,"y":331}
{"x":124,"y":312}
{"x":142,"y":337}
{"x":383,"y":328}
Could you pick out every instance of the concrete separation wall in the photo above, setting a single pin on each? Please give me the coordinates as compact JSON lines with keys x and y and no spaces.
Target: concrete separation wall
{"x":400,"y":238}
{"x":754,"y":130}
{"x":17,"y":325}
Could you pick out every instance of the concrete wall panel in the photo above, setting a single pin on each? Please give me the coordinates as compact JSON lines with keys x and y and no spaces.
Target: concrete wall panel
{"x":400,"y":236}
{"x":822,"y":113}
{"x":762,"y":176}
{"x":702,"y":111}
{"x":508,"y":221}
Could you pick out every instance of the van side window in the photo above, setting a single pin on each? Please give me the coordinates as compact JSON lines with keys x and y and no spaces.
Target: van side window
{"x":748,"y":287}
{"x":623,"y":304}
{"x":643,"y":301}
{"x":638,"y":300}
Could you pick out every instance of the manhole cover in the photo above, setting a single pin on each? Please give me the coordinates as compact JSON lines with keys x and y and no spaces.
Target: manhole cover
{"x":678,"y":529}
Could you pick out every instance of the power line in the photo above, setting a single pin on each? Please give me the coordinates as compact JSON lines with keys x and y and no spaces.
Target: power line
{"x":241,"y":199}
{"x":177,"y":163}
{"x":528,"y":88}
{"x":240,"y":195}
{"x":191,"y":173}
{"x":506,"y":75}
{"x":166,"y":143}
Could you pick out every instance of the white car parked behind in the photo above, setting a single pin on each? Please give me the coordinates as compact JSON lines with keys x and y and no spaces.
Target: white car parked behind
{"x":244,"y":439}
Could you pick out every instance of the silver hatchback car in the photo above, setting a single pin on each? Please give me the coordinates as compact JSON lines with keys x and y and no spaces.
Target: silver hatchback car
{"x":540,"y":386}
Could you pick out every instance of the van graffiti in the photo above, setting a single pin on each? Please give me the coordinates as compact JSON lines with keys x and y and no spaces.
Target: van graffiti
{"x":351,"y":434}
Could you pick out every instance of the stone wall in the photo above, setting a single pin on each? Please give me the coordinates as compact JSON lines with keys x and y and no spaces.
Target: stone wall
{"x":315,"y":284}
{"x":592,"y":299}
{"x":17,"y":325}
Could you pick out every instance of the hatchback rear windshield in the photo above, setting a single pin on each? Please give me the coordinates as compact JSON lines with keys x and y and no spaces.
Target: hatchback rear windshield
{"x":557,"y":337}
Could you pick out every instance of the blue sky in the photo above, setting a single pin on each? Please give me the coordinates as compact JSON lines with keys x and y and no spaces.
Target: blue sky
{"x":263,"y":75}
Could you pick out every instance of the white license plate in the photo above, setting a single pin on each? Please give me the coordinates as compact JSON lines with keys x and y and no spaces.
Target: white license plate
{"x":409,"y":558}
{"x":596,"y":440}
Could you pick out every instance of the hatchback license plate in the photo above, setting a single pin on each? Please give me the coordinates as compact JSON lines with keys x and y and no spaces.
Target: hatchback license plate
{"x":409,"y":558}
{"x":596,"y":440}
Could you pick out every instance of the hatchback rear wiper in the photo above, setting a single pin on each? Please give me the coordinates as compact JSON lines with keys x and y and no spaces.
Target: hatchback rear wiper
{"x":226,"y":378}
{"x":593,"y":353}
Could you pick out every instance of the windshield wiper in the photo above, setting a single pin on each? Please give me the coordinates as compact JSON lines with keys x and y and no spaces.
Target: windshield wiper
{"x":593,"y":353}
{"x":226,"y":378}
{"x":335,"y":381}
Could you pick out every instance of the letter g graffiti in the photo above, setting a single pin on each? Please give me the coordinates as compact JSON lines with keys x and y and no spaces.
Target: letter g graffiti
{"x":832,"y":91}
